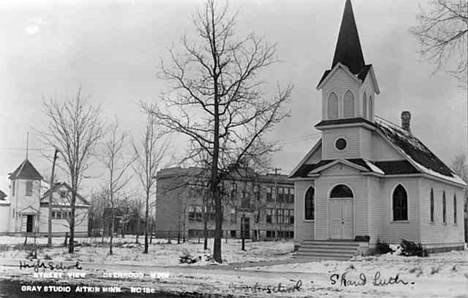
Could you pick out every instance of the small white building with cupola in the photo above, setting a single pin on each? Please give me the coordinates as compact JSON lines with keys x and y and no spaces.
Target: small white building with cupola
{"x":26,"y":209}
{"x":368,"y":179}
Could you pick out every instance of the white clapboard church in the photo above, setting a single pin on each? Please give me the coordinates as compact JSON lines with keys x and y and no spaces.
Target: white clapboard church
{"x":26,"y":211}
{"x":366,"y":178}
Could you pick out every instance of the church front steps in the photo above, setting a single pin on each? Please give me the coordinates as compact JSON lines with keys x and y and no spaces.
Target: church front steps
{"x":327,"y":250}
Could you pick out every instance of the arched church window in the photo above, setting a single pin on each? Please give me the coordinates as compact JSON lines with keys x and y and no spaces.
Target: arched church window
{"x":455,"y":209}
{"x":332,"y":106}
{"x":432,"y":205}
{"x":348,"y":105}
{"x":371,"y":107}
{"x":341,"y":191}
{"x":29,"y":187}
{"x":364,"y":106}
{"x":309,"y":204}
{"x":444,"y":208}
{"x":400,"y":203}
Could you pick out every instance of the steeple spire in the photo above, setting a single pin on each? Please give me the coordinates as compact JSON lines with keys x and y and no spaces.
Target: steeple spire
{"x":348,"y":48}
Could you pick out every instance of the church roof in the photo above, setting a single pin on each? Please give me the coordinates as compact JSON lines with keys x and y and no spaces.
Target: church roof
{"x":348,"y":49}
{"x":26,"y":171}
{"x":415,"y":151}
{"x":58,"y":186}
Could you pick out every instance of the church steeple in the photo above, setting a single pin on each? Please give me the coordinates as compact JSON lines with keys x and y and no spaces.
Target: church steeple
{"x":348,"y":48}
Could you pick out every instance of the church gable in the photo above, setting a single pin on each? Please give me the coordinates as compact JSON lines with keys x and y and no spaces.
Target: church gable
{"x":341,"y":169}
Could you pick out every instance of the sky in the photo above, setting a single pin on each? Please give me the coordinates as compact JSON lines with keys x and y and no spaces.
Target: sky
{"x":113,"y":49}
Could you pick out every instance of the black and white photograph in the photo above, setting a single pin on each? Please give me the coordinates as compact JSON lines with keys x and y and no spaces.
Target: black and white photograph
{"x":234,"y":148}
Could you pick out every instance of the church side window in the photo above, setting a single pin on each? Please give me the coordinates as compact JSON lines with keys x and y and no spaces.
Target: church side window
{"x":309,"y":204}
{"x":400,"y":204}
{"x":29,"y":187}
{"x":444,"y":208}
{"x":371,"y":108}
{"x":432,"y":205}
{"x":455,"y":209}
{"x":348,"y":105}
{"x":332,"y":106}
{"x":13,"y":188}
{"x":364,"y":106}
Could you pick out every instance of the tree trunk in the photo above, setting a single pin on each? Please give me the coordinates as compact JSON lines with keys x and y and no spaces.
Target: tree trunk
{"x":146,"y":222}
{"x":112,"y":230}
{"x":71,"y":242}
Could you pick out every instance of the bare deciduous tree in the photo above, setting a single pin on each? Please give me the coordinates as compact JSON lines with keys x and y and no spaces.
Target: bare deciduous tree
{"x":149,"y":153}
{"x":217,"y":99}
{"x":442,"y":34}
{"x":116,"y":164}
{"x":74,"y":127}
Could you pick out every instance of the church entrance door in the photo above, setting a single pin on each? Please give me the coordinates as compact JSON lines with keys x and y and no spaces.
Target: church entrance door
{"x":341,"y":218}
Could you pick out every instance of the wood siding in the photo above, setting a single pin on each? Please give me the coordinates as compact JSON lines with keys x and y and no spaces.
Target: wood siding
{"x":303,"y":230}
{"x":316,"y":157}
{"x":61,"y":226}
{"x":436,"y":234}
{"x":381,"y":150}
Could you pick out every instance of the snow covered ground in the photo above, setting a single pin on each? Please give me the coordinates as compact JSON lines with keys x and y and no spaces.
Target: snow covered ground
{"x":439,"y":275}
{"x":160,"y":252}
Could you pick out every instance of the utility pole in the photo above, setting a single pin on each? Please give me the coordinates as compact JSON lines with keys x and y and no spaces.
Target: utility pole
{"x":49,"y":240}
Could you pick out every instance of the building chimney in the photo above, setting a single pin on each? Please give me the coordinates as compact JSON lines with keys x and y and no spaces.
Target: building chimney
{"x":405,"y":120}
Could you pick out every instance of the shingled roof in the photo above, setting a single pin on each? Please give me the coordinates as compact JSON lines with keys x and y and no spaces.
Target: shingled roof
{"x":348,"y":49}
{"x":26,"y":171}
{"x":415,"y":150}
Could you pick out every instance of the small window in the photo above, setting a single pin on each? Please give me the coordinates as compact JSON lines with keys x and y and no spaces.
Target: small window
{"x":279,"y":216}
{"x":432,"y":205}
{"x":340,"y":144}
{"x":257,"y":216}
{"x":341,"y":191}
{"x":364,"y":106}
{"x":191,"y":213}
{"x":245,"y":200}
{"x":29,"y":187}
{"x":13,"y":184}
{"x":371,"y":107}
{"x":268,"y":216}
{"x":455,"y":209}
{"x":63,"y":194}
{"x":233,"y":215}
{"x":332,"y":106}
{"x":269,"y":194}
{"x":198,"y":213}
{"x":348,"y":105}
{"x":444,"y":208}
{"x":309,"y":204}
{"x":234,"y":191}
{"x":400,"y":204}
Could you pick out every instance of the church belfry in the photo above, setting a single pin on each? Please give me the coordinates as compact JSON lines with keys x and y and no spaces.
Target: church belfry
{"x":349,"y":87}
